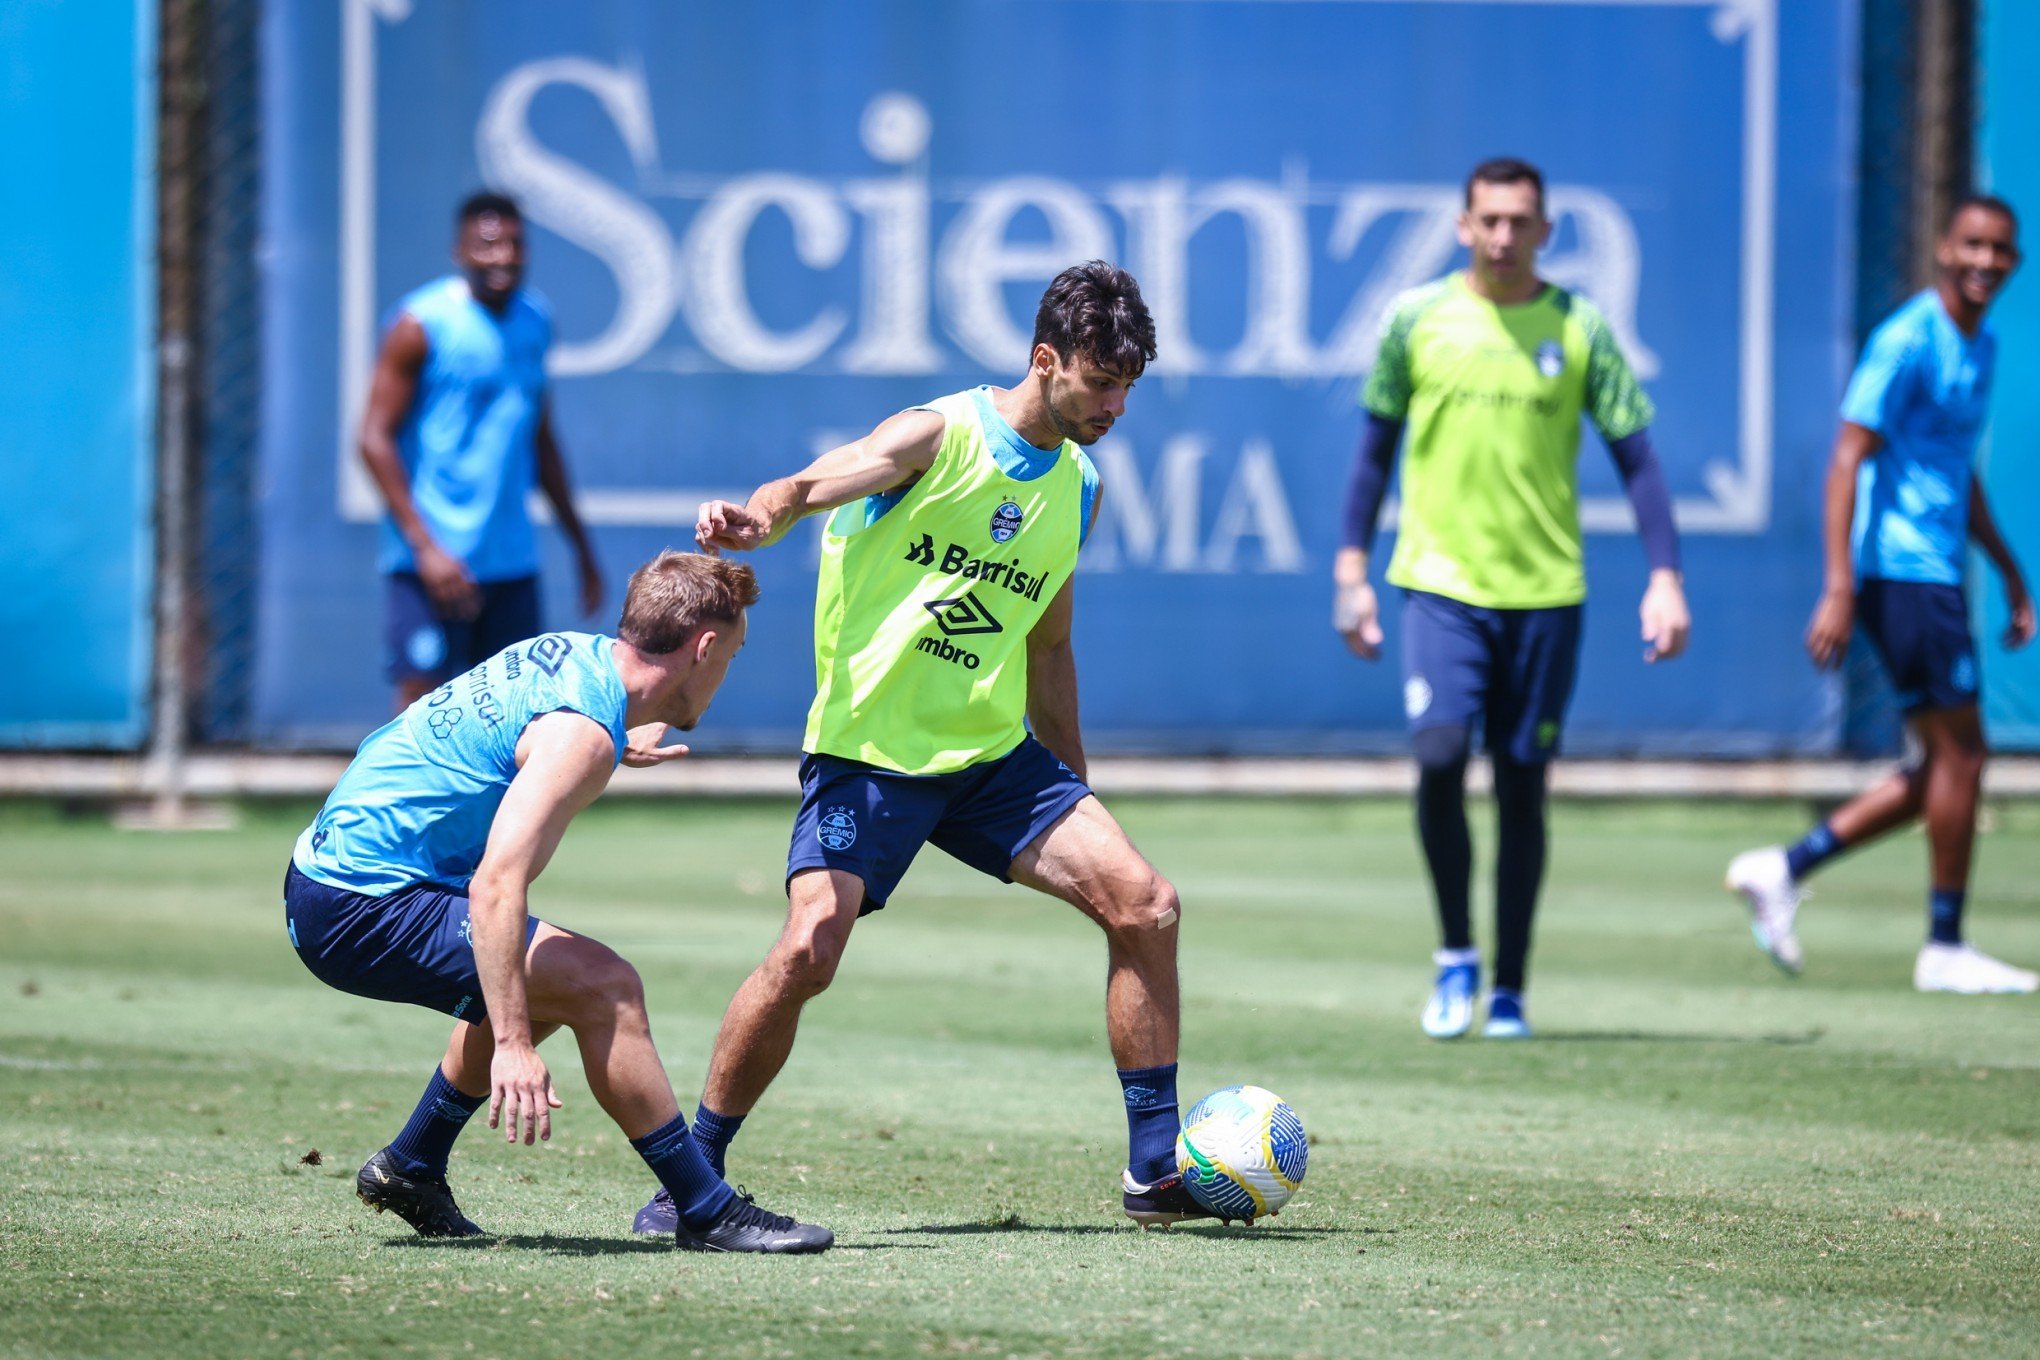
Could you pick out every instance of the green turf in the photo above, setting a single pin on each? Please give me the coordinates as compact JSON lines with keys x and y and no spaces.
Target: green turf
{"x":1697,"y":1156}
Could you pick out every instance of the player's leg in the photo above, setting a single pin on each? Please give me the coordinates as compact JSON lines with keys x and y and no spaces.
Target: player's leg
{"x":580,"y":983}
{"x":1771,"y":878}
{"x":856,"y":832}
{"x":1447,"y":655}
{"x":1956,"y":754}
{"x":1528,"y":696}
{"x":1086,"y":859}
{"x":758,"y":1028}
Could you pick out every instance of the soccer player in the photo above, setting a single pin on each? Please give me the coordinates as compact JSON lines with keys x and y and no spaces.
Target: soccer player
{"x":457,"y":427}
{"x":1490,"y":370}
{"x":413,"y":885}
{"x":1903,"y":503}
{"x":942,"y":628}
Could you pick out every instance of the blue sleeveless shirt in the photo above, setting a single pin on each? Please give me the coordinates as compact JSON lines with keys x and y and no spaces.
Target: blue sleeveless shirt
{"x":470,"y":444}
{"x":416,"y":804}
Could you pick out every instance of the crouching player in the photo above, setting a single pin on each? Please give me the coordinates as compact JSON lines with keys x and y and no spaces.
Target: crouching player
{"x":412,"y":886}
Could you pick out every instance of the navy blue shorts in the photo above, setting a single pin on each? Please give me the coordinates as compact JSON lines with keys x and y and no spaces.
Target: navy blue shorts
{"x":410,"y":945}
{"x":871,"y":822}
{"x":1920,"y":631}
{"x":1512,"y":669}
{"x":420,"y":645}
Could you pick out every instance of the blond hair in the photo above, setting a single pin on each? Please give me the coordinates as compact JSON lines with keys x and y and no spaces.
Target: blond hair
{"x":677,"y":594}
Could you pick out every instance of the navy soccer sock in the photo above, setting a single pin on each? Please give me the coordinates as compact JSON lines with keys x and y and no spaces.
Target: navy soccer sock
{"x":1152,"y":1121}
{"x":1519,"y":866}
{"x":1814,"y":849}
{"x":1944,"y":915}
{"x":714,"y":1132}
{"x":422,"y":1148}
{"x":1442,"y":829}
{"x":677,"y":1160}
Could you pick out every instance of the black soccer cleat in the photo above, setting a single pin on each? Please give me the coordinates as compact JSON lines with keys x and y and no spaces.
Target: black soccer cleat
{"x":427,"y":1205}
{"x":1160,"y":1204}
{"x":745,"y":1227}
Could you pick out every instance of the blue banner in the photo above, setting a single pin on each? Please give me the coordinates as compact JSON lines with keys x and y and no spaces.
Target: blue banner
{"x":77,"y":346}
{"x":2011,"y":474}
{"x":764,"y":228}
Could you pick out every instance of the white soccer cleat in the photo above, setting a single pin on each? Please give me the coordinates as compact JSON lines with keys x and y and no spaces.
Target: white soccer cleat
{"x":1449,"y":1012}
{"x":1765,"y":882}
{"x":1960,"y":968}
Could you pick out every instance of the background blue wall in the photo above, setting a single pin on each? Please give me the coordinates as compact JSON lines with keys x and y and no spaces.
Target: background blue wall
{"x":77,"y":369}
{"x":765,"y":228}
{"x":2010,"y":155}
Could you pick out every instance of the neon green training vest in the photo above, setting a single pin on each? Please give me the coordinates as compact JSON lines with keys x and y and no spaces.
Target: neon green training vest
{"x":926,"y":598}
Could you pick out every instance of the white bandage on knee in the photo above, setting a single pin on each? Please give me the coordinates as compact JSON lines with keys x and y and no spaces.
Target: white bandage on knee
{"x":1166,"y":919}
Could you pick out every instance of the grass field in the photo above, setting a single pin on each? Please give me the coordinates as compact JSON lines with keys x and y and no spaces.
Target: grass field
{"x":1696,"y":1157}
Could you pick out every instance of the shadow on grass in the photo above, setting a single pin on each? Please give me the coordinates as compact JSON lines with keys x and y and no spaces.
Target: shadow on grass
{"x":1209,"y":1231}
{"x":1639,"y":1036}
{"x":553,"y":1243}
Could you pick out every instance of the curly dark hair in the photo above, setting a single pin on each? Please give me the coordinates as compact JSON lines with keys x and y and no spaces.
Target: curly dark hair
{"x":1094,"y":309}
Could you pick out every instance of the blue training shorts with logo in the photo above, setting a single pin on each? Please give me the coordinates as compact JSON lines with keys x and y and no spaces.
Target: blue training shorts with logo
{"x":871,"y":822}
{"x":1511,"y":668}
{"x":1920,"y":630}
{"x":420,"y":645}
{"x":410,"y":945}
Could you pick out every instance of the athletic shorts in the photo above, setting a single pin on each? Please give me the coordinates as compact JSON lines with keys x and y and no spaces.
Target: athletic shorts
{"x":1512,"y":669}
{"x":871,"y":822}
{"x":1920,"y":631}
{"x":411,"y":945}
{"x":420,"y":645}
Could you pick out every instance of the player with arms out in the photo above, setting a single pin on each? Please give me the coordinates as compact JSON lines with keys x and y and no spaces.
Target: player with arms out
{"x":1903,"y":503}
{"x":1490,"y":371}
{"x":457,"y":427}
{"x":413,"y":885}
{"x":942,"y":629}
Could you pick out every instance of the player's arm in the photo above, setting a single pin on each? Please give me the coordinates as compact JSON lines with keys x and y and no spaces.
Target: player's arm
{"x":552,"y":479}
{"x":1667,"y":622}
{"x":898,"y":451}
{"x":564,"y":760}
{"x":1622,"y":411}
{"x":1827,"y":637}
{"x":391,"y":391}
{"x":1983,"y":528}
{"x":1052,"y":672}
{"x":1391,"y":382}
{"x":1356,"y":612}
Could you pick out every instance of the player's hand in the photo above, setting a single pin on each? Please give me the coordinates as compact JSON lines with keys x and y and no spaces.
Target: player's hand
{"x":642,"y":750}
{"x":1827,"y":637}
{"x":521,"y":1088}
{"x":592,"y":585}
{"x":452,"y":591}
{"x":2023,"y":624}
{"x":1667,"y":623}
{"x":1356,"y":614}
{"x":725,"y":526}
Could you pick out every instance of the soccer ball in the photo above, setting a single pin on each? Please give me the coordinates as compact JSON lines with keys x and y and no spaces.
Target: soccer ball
{"x":1241,"y":1152}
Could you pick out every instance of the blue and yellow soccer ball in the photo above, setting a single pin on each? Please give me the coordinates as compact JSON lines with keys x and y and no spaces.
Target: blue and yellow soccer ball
{"x":1241,"y":1152}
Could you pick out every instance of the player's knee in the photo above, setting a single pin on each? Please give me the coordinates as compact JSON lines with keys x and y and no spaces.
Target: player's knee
{"x":807,"y":960}
{"x":606,"y":986}
{"x":1442,"y":750}
{"x":1144,"y":906}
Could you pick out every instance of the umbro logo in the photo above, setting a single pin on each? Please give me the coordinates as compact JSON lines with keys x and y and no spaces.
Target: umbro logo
{"x":961,"y":616}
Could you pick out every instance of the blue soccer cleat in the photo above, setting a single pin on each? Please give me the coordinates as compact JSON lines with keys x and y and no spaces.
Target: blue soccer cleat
{"x":659,"y":1218}
{"x":744,"y":1227}
{"x":1449,"y":1013}
{"x":1505,"y":1018}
